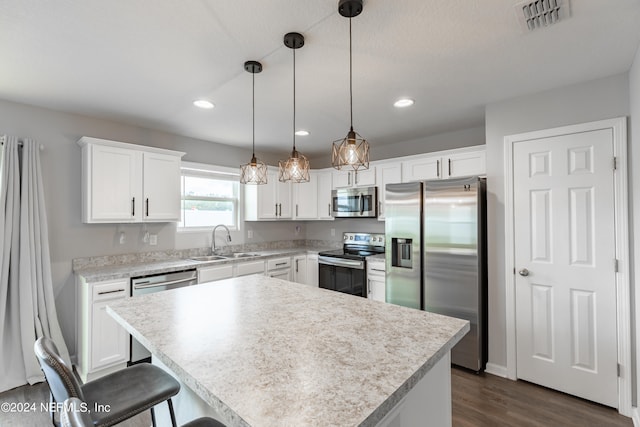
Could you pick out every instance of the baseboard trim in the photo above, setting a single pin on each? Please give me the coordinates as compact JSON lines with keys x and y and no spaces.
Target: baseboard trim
{"x":635,"y":416}
{"x":498,"y":370}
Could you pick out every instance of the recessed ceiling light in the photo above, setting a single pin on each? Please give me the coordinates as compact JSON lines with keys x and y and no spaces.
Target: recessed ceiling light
{"x":403,"y":102}
{"x":203,"y":103}
{"x":302,"y":132}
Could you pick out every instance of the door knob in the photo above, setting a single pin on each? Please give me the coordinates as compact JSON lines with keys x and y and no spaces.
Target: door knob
{"x":523,"y":272}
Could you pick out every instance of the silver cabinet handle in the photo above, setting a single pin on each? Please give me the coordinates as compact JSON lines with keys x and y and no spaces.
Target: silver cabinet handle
{"x":296,"y":210}
{"x":438,"y":168}
{"x":379,"y":208}
{"x":449,"y":167}
{"x":133,"y":206}
{"x":349,"y":178}
{"x":355,"y":174}
{"x":329,"y":209}
{"x":297,"y":265}
{"x":110,"y":292}
{"x":280,"y":210}
{"x":523,"y":272}
{"x":147,"y":207}
{"x":276,"y":209}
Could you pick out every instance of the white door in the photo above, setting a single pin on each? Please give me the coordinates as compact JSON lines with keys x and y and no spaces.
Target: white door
{"x":564,"y":257}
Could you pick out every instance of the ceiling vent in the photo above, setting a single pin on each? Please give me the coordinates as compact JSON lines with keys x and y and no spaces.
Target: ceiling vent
{"x":537,"y":14}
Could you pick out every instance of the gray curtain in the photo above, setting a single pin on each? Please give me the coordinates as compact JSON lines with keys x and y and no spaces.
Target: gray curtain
{"x":27,"y":302}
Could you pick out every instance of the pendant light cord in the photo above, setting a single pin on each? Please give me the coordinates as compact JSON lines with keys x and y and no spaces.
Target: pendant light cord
{"x":350,"y":75}
{"x":253,"y":113}
{"x":294,"y":99}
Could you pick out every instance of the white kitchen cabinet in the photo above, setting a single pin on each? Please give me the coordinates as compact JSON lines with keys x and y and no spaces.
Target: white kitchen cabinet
{"x":388,"y":173}
{"x":129,"y":183}
{"x":305,"y":196}
{"x":445,"y":164}
{"x":216,"y":272}
{"x":270,"y":201}
{"x":312,"y":270}
{"x":280,"y":268}
{"x":300,"y":269}
{"x":350,"y":178}
{"x":376,"y":281}
{"x":102,"y":344}
{"x":248,"y":267}
{"x":324,"y":194}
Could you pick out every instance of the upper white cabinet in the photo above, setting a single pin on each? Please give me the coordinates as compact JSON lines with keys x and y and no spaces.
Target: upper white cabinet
{"x":443,"y":165}
{"x":312,"y":200}
{"x":269,"y":201}
{"x":129,"y":183}
{"x":388,"y":173}
{"x":351,"y":178}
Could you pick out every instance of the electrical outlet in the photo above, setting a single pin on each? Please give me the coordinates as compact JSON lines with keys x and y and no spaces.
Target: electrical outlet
{"x":123,"y":238}
{"x":249,"y":234}
{"x":153,"y":239}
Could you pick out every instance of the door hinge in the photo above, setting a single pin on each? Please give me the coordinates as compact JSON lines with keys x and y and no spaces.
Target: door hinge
{"x":615,"y":265}
{"x":615,"y":163}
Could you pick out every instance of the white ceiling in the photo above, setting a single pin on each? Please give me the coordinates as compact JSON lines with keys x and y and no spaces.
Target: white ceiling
{"x":145,"y":61}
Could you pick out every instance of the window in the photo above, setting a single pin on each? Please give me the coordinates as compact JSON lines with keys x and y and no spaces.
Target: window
{"x":210,"y":196}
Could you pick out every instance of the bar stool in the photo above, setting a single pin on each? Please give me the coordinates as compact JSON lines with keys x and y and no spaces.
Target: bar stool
{"x":75,"y":415}
{"x":112,"y":398}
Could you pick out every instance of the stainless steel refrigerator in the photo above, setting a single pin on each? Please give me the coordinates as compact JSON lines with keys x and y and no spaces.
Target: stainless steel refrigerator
{"x":436,"y":255}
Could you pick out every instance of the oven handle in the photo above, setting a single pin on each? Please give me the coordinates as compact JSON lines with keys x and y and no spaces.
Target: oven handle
{"x":339,"y":262}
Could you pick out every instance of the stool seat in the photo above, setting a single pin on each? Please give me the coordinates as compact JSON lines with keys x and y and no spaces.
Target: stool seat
{"x":204,"y":422}
{"x":125,"y":393}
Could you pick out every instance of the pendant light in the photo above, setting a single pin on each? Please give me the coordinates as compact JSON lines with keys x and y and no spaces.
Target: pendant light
{"x":296,"y":167}
{"x":353,"y":150}
{"x":254,"y":172}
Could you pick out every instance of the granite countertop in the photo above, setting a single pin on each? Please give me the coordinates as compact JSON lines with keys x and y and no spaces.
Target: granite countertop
{"x":138,"y":267}
{"x":266,"y":352}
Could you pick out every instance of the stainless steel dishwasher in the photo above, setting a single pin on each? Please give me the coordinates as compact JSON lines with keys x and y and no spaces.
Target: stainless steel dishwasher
{"x":157,"y":283}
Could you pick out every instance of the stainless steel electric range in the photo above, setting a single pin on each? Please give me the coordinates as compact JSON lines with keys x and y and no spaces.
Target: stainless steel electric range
{"x":345,"y":270}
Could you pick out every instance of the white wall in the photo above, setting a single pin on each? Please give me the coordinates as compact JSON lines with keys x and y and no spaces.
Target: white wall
{"x":584,"y":102}
{"x":634,"y":190}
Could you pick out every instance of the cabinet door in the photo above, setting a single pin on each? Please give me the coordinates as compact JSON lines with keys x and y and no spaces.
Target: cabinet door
{"x":465,"y":164}
{"x":342,"y":179}
{"x":306,"y":198}
{"x":421,"y":169}
{"x":211,"y":274}
{"x":267,"y":197}
{"x":324,"y":195}
{"x":365,"y":177}
{"x":376,"y":289}
{"x":300,"y":269}
{"x":386,"y":174}
{"x":312,"y":270}
{"x":109,"y":341}
{"x":161,"y":187}
{"x":112,"y":184}
{"x":284,"y":199}
{"x":281,"y":274}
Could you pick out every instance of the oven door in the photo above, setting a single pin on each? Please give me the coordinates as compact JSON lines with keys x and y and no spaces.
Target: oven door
{"x":342,"y":275}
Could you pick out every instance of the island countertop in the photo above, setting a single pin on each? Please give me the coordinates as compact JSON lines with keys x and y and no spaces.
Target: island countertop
{"x":267,"y":352}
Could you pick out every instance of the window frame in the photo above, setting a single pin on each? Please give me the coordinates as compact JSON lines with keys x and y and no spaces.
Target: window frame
{"x":222,"y":173}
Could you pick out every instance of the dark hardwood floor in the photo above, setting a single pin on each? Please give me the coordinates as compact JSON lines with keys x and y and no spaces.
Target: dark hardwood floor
{"x":487,"y":400}
{"x":478,"y":400}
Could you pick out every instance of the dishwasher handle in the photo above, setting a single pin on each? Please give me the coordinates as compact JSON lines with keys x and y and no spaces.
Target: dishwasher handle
{"x":172,"y":282}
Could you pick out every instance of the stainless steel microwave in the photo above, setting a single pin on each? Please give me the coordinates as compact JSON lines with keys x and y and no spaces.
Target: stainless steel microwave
{"x":355,"y":202}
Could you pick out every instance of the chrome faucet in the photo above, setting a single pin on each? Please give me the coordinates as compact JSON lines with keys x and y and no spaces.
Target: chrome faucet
{"x":213,"y":238}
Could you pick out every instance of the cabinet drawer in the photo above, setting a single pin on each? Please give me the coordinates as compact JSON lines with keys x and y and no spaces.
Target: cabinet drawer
{"x":215,"y":273}
{"x":252,"y":267}
{"x":110,"y":290}
{"x":274,"y":264}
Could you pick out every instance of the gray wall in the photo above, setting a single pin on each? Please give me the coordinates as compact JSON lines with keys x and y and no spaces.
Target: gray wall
{"x":634,"y":190}
{"x":595,"y":100}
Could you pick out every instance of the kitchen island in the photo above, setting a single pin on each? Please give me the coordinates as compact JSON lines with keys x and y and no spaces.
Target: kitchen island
{"x":257,"y":351}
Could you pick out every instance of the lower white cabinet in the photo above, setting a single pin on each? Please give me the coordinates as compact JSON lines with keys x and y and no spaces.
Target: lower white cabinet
{"x":312,"y":270}
{"x":103,"y":345}
{"x":218,"y":272}
{"x":300,"y":269}
{"x":376,"y":281}
{"x":279,"y":268}
{"x":250,"y":267}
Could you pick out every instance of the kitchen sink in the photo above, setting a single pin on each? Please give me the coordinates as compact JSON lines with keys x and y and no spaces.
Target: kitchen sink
{"x":242,"y":255}
{"x":208,"y":258}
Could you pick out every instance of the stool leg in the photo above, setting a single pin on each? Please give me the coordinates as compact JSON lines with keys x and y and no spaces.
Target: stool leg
{"x":153,"y":417}
{"x":173,"y":415}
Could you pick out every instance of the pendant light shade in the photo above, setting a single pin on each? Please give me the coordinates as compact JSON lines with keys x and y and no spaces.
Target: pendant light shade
{"x":353,"y":150}
{"x":254,"y":172}
{"x":296,"y":167}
